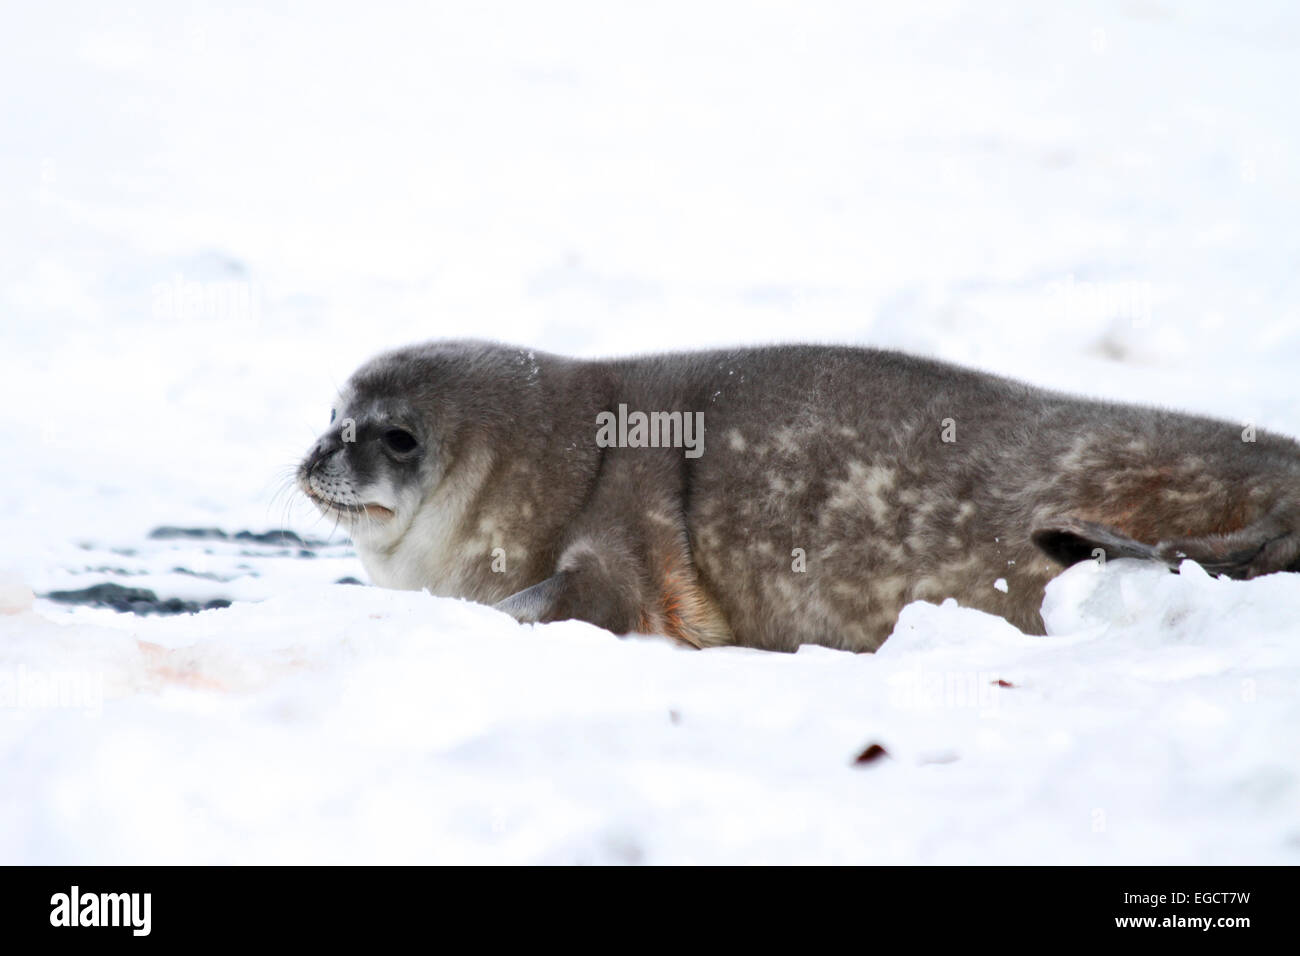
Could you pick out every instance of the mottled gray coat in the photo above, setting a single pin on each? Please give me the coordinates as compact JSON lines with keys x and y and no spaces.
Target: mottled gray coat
{"x":835,"y":486}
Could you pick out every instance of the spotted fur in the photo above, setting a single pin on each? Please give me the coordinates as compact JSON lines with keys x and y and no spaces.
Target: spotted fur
{"x":836,"y":485}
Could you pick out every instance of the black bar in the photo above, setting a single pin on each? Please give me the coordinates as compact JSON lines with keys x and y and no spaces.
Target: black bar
{"x":682,"y":906}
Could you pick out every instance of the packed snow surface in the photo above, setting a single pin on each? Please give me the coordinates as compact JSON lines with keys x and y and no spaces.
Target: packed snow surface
{"x":212,"y":214}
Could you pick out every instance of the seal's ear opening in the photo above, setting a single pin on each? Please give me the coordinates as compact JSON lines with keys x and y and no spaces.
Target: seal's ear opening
{"x":1068,"y":541}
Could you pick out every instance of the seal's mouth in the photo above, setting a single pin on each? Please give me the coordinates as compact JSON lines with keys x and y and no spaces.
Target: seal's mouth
{"x":329,"y":506}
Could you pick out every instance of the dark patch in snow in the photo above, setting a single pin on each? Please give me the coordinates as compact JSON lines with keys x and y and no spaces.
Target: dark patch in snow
{"x":206,"y":575}
{"x":133,"y":600}
{"x":870,"y":755}
{"x":227,"y":556}
{"x":168,"y":533}
{"x":276,"y":538}
{"x":349,"y":580}
{"x":1001,"y":683}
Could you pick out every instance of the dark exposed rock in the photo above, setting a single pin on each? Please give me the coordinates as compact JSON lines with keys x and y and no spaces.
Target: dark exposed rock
{"x":283,"y":538}
{"x":205,"y":575}
{"x":169,"y":533}
{"x":277,"y":538}
{"x":132,"y":600}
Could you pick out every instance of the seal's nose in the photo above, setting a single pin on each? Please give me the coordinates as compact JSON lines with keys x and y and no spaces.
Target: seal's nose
{"x":327,"y":445}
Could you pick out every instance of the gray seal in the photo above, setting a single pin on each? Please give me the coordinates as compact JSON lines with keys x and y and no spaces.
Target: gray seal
{"x":772,"y":497}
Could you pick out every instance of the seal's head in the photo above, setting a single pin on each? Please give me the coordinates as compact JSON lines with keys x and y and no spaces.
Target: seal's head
{"x":407,"y":442}
{"x":387,"y":446}
{"x":364,"y":470}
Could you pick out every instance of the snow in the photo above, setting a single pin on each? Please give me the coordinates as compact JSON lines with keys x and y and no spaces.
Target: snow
{"x":212,"y":215}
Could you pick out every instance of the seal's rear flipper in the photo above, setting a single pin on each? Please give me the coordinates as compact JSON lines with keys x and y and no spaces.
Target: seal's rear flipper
{"x":1264,"y":547}
{"x":1268,"y":545}
{"x":1068,"y":541}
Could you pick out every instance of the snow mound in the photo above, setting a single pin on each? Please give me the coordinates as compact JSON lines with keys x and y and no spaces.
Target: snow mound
{"x":1147,"y":605}
{"x":346,"y":724}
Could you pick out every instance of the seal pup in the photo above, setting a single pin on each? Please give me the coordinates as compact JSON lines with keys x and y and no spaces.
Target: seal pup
{"x":827,"y":488}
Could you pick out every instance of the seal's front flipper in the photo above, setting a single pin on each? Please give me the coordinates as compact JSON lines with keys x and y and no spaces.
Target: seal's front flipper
{"x":536,"y":603}
{"x":601,"y":586}
{"x":1068,"y":541}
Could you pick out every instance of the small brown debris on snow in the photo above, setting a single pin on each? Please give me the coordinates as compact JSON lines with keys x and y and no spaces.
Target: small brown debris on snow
{"x":873,"y":753}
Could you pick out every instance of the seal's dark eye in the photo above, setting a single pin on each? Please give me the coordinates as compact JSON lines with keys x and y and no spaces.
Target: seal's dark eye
{"x":399,"y":440}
